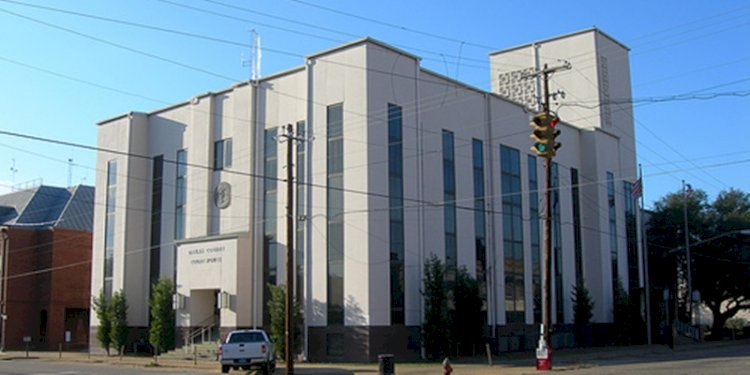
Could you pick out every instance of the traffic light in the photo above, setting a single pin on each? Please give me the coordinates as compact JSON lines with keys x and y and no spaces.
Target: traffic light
{"x":544,"y":135}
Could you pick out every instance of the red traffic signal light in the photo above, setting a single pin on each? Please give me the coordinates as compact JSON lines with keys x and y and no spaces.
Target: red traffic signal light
{"x":544,"y":135}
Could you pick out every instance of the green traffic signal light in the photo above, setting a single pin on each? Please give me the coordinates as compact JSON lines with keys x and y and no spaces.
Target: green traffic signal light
{"x":544,"y":135}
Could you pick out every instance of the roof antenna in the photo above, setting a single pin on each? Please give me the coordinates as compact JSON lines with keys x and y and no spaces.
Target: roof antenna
{"x":70,"y":171}
{"x":256,"y":56}
{"x":13,"y":171}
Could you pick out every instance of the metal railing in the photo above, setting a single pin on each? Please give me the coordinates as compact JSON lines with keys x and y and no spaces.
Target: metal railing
{"x":207,"y":331}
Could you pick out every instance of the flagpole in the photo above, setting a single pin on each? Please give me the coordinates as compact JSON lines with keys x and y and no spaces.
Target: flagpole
{"x":645,"y":258}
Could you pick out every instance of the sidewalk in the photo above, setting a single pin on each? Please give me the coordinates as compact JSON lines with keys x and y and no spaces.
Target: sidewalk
{"x":512,"y":363}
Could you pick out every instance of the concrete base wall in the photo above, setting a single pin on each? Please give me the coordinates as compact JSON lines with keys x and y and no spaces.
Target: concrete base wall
{"x":363,"y":344}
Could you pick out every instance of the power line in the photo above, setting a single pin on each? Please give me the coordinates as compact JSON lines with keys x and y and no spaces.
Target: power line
{"x":391,"y":25}
{"x":120,"y":46}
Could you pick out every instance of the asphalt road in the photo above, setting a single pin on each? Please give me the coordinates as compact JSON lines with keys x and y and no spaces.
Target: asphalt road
{"x":705,"y":358}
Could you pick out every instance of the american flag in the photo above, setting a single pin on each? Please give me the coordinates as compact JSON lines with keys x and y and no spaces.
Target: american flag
{"x":637,"y":189}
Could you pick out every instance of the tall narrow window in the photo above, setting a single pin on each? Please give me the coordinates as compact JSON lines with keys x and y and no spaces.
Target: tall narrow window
{"x":577,"y":242}
{"x":270,"y":175}
{"x":534,"y":226}
{"x":180,"y":195}
{"x":480,"y":237}
{"x":396,"y":205}
{"x":335,"y":213}
{"x":449,"y":207}
{"x":510,"y":160}
{"x":109,"y":227}
{"x":632,"y":237}
{"x":222,"y":154}
{"x":557,"y":251}
{"x":157,"y":174}
{"x":612,"y":227}
{"x":300,"y":232}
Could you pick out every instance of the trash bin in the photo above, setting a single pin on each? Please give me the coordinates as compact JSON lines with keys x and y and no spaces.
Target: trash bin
{"x":386,"y":364}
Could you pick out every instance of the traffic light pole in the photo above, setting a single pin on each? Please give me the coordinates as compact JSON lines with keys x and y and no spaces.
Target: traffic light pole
{"x":544,"y":352}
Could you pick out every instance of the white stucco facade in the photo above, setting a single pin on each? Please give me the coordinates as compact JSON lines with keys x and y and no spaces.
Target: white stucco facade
{"x":221,"y":262}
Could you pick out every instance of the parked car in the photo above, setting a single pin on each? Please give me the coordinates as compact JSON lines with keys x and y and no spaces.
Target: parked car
{"x":247,"y":349}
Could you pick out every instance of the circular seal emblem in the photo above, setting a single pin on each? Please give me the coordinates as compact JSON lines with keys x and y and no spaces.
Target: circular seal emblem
{"x":223,"y":195}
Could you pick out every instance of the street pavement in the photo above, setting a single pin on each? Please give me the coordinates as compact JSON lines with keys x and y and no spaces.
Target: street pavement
{"x":699,"y":358}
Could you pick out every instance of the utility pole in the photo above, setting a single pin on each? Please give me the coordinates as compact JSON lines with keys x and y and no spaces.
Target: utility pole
{"x":289,"y":300}
{"x":544,"y":134}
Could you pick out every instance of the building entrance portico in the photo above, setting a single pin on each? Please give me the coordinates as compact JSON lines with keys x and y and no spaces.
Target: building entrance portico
{"x":212,"y":294}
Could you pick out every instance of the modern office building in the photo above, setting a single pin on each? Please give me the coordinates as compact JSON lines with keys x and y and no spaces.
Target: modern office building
{"x":397,"y":163}
{"x":45,"y":267}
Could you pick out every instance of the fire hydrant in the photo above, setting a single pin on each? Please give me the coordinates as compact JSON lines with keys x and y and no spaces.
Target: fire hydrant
{"x":447,"y":369}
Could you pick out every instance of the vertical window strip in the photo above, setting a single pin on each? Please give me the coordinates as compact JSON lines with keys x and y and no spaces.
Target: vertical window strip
{"x":557,"y":245}
{"x":396,"y":218}
{"x":612,"y":226}
{"x":480,"y":236}
{"x":449,"y":207}
{"x":157,"y":174}
{"x":300,"y":229}
{"x":512,"y":234}
{"x":631,"y":237}
{"x":270,"y":174}
{"x":109,"y":227}
{"x":577,"y":239}
{"x":536,"y":248}
{"x":335,"y":208}
{"x":180,"y":195}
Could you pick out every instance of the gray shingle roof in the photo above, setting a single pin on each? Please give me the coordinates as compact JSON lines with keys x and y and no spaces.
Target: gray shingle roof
{"x":48,"y":206}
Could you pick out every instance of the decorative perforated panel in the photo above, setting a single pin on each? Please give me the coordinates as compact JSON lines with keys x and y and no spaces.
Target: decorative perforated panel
{"x":519,"y":87}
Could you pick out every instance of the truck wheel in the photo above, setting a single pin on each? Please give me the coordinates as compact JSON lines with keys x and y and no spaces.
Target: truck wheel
{"x":266,"y":368}
{"x":224,"y":369}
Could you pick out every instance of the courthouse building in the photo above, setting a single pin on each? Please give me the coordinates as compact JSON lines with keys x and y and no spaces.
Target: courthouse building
{"x":397,"y":163}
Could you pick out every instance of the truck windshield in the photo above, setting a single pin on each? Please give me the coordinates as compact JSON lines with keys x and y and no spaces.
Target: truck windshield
{"x":246,"y":337}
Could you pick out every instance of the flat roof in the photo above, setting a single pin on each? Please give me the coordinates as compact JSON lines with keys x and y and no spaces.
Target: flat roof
{"x":563,"y":36}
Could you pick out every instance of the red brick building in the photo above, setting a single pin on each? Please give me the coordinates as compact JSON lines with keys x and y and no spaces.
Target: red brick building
{"x":45,"y":247}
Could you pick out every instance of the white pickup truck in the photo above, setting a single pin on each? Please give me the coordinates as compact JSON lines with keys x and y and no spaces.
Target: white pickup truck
{"x":245,"y":349}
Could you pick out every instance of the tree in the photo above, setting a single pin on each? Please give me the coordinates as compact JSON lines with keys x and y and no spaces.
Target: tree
{"x":119,"y":321}
{"x":467,"y":326}
{"x":161,"y":328}
{"x":436,"y":334}
{"x":102,"y":310}
{"x":277,"y":312}
{"x":720,"y":254}
{"x":583,"y":304}
{"x":583,"y":311}
{"x":628,"y":322}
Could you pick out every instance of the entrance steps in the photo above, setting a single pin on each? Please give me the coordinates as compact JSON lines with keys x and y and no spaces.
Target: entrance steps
{"x":203,"y":351}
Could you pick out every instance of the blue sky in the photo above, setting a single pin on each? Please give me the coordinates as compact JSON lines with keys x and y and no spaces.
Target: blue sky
{"x":65,"y":65}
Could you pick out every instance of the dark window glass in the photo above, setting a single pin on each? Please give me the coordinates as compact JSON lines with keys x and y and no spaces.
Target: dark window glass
{"x":396,"y":214}
{"x":612,"y":227}
{"x":180,"y":195}
{"x":534,"y":226}
{"x":631,"y":235}
{"x":109,"y":224}
{"x":577,"y":241}
{"x":512,"y":233}
{"x":335,"y":209}
{"x":449,"y":206}
{"x":560,"y":298}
